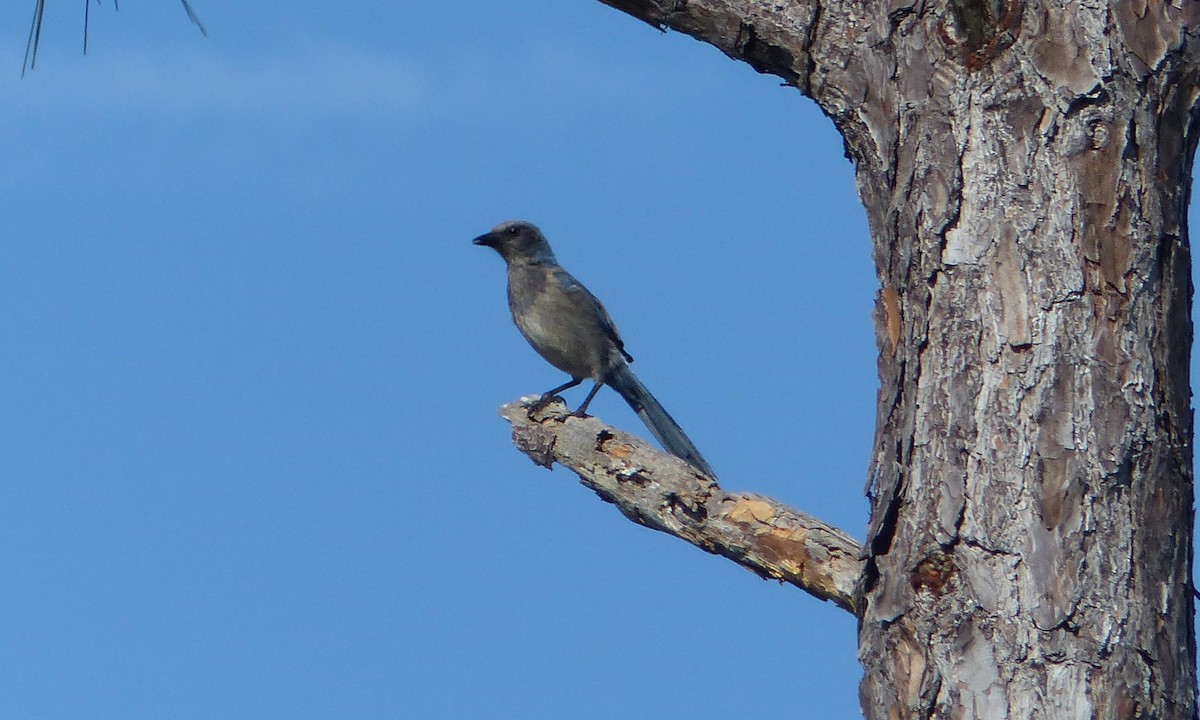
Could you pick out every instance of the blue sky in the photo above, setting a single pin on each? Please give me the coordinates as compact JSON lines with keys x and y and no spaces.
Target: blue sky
{"x":252,"y":457}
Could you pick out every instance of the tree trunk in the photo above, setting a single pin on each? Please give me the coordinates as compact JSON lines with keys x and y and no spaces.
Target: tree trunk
{"x":1030,"y":543}
{"x":1026,"y":168}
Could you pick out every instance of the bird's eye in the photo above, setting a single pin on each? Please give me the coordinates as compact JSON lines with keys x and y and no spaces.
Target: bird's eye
{"x":513,"y":230}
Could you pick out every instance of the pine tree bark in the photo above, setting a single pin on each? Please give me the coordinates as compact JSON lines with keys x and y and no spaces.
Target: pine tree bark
{"x":1025,"y":167}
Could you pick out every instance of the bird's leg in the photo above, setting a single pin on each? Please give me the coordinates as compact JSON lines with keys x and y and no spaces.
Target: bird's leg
{"x":582,"y":411}
{"x":547,"y":396}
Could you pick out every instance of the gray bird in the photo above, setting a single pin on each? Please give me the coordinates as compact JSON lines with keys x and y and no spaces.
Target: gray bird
{"x":569,"y":327}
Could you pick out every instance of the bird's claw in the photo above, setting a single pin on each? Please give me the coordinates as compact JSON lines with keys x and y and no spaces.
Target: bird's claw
{"x":540,"y":404}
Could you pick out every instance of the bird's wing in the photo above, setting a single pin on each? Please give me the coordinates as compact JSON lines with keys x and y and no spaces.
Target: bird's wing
{"x":576,"y":289}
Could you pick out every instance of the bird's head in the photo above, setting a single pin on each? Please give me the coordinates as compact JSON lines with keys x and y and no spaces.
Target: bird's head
{"x":517,"y":240}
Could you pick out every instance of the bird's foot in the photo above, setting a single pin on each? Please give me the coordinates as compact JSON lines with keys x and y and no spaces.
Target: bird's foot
{"x":540,"y":404}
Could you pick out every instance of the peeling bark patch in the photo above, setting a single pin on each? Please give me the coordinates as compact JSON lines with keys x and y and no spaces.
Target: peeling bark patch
{"x":977,"y":20}
{"x":536,"y":442}
{"x":1059,"y":54}
{"x":607,"y":443}
{"x":1150,"y":28}
{"x":1059,"y":493}
{"x":979,"y":687}
{"x":785,"y":550}
{"x":635,"y":476}
{"x":933,"y":573}
{"x":694,"y":511}
{"x":917,"y":683}
{"x":882,"y":532}
{"x":1106,"y":205}
{"x":890,"y":301}
{"x":1124,"y":706}
{"x":982,"y":29}
{"x":751,"y":509}
{"x":1014,"y":295}
{"x":786,"y":553}
{"x":765,"y":57}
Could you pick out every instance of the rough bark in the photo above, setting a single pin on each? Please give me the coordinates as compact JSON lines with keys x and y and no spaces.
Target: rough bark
{"x":1025,"y":168}
{"x":664,"y":493}
{"x":1033,"y":493}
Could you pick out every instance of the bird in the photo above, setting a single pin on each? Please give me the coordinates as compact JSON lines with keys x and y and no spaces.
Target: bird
{"x":572,"y":331}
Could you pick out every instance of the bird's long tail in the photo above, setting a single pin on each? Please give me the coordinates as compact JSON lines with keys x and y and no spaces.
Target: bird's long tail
{"x":656,"y":417}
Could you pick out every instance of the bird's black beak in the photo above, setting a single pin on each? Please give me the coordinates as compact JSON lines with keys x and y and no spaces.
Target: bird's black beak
{"x":488,"y":240}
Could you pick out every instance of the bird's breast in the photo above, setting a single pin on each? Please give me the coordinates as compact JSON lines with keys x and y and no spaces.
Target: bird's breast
{"x":560,"y":328}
